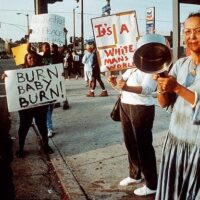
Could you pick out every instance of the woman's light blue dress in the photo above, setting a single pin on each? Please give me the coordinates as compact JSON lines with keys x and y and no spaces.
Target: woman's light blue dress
{"x":179,"y":175}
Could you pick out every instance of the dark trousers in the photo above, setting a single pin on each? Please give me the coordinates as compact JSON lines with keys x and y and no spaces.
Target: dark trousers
{"x":94,"y":83}
{"x":96,"y":76}
{"x":76,"y":66}
{"x":26,"y":119}
{"x":69,"y":69}
{"x":137,"y":123}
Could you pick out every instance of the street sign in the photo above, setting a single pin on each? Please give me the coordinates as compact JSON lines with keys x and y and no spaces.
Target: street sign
{"x":106,"y":8}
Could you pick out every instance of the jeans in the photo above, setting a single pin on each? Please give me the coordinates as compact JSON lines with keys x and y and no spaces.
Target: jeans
{"x":49,"y":117}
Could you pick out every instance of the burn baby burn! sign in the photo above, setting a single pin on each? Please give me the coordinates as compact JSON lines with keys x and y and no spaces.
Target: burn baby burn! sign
{"x":33,"y":87}
{"x":115,"y":37}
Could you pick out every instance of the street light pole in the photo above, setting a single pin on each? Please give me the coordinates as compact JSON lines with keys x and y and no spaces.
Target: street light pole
{"x":27,"y":16}
{"x":74,"y":35}
{"x":82,"y":29}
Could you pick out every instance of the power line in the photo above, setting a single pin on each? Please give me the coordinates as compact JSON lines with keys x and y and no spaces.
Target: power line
{"x":16,"y":25}
{"x":65,"y":12}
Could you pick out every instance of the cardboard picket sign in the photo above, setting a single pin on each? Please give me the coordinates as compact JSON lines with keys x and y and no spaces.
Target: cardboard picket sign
{"x":33,"y":87}
{"x":19,"y":53}
{"x":116,"y":36}
{"x":47,"y":28}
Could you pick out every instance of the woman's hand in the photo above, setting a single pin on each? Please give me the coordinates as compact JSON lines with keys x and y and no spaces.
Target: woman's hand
{"x":3,"y":76}
{"x":122,"y":84}
{"x":167,"y":84}
{"x":112,"y":80}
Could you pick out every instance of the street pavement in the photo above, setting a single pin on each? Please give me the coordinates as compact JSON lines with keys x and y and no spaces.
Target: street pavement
{"x":89,"y":156}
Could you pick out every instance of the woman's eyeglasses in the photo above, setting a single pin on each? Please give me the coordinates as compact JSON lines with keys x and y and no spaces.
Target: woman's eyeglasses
{"x":195,"y":31}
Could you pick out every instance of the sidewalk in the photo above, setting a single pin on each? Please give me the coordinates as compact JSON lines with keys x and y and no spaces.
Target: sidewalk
{"x":33,"y":176}
{"x":90,"y":157}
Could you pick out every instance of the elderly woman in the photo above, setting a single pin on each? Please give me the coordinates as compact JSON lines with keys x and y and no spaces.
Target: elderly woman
{"x":179,"y":176}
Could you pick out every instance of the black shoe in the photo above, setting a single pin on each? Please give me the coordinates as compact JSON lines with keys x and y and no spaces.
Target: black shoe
{"x":20,"y":153}
{"x":65,"y":105}
{"x":48,"y":149}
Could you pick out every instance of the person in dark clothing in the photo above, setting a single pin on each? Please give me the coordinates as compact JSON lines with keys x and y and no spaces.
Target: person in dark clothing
{"x":76,"y":64}
{"x":69,"y":60}
{"x":96,"y":76}
{"x":7,"y":189}
{"x":56,"y":55}
{"x":27,"y":116}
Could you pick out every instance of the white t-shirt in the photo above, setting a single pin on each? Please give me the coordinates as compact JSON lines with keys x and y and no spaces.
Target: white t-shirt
{"x":135,"y":77}
{"x":76,"y":57}
{"x":87,"y":61}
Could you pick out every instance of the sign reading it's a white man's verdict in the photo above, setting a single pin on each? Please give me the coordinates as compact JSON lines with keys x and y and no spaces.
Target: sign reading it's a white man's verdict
{"x":115,"y":37}
{"x":33,"y":87}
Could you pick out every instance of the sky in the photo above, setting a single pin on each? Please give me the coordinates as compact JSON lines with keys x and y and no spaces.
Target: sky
{"x":13,"y":26}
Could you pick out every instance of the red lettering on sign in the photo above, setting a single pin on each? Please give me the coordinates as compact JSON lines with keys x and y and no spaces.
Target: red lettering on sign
{"x":124,"y":28}
{"x":103,"y":30}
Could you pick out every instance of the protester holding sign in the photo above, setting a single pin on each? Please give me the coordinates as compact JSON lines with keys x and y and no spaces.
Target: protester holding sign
{"x":47,"y":59}
{"x":96,"y":76}
{"x":137,"y":115}
{"x":27,"y":116}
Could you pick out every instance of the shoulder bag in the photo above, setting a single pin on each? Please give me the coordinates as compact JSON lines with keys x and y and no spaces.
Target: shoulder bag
{"x":115,"y":113}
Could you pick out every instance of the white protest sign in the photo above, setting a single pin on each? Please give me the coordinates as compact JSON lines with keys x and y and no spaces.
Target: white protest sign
{"x":33,"y":87}
{"x":116,"y":37}
{"x":48,"y":28}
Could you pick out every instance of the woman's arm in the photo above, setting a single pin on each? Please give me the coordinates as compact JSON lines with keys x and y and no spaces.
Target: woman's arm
{"x":167,"y":85}
{"x":135,"y":89}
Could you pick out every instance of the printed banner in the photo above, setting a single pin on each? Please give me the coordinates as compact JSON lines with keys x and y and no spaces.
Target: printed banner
{"x":48,"y":28}
{"x":33,"y":87}
{"x":115,"y":37}
{"x":19,"y":53}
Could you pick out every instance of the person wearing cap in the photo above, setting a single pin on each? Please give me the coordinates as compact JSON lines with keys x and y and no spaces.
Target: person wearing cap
{"x":96,"y":76}
{"x":87,"y":61}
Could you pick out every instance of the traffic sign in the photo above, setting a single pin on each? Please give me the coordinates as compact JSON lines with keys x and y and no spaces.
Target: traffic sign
{"x":106,"y":8}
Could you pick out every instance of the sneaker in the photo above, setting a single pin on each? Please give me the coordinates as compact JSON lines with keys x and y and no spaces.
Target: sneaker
{"x":50,"y":133}
{"x":76,"y":77}
{"x":144,"y":191}
{"x":104,"y":94}
{"x":128,"y":181}
{"x":90,"y":94}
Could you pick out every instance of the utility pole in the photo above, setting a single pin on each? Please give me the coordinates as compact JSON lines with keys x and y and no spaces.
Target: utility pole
{"x":82,"y":29}
{"x":27,"y":17}
{"x":108,"y":3}
{"x":74,"y":25}
{"x":41,"y":6}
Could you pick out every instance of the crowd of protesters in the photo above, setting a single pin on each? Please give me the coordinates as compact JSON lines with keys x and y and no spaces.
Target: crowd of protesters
{"x":180,"y":166}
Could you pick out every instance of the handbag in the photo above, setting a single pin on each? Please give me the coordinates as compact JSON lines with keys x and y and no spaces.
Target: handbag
{"x":115,"y":113}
